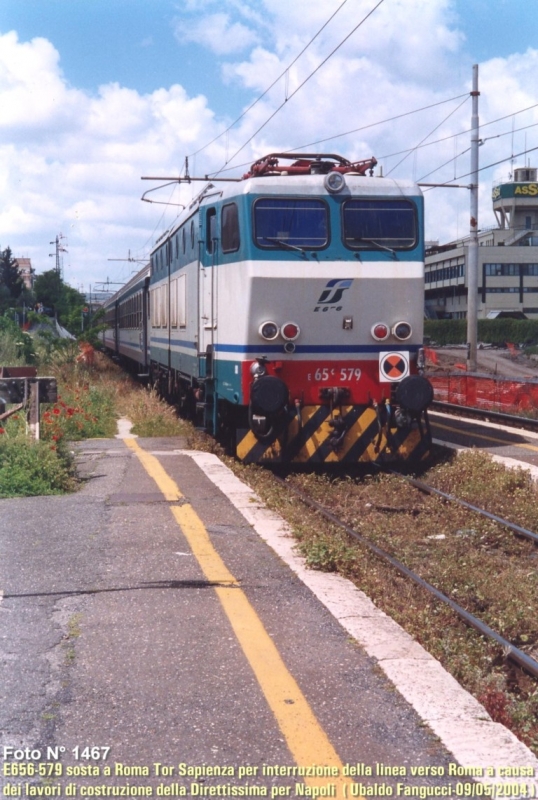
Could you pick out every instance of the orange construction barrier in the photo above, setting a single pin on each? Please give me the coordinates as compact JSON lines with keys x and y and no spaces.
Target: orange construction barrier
{"x":489,"y":392}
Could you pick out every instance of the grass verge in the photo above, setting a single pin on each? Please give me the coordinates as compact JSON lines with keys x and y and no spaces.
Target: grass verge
{"x":90,"y":399}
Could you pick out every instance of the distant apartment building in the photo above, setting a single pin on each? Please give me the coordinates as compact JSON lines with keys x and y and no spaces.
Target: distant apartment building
{"x":26,"y":271}
{"x":507,"y":259}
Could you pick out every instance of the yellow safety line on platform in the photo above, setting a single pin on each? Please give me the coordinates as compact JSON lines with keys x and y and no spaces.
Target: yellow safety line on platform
{"x":306,"y":739}
{"x":487,"y":437}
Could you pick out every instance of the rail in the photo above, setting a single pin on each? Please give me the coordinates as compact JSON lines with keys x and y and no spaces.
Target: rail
{"x":510,"y":651}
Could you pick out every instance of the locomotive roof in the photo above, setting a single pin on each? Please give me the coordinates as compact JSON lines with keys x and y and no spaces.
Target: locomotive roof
{"x":305,"y":175}
{"x":314,"y":185}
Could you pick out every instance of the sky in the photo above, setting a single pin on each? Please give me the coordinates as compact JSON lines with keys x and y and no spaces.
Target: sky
{"x":95,"y":94}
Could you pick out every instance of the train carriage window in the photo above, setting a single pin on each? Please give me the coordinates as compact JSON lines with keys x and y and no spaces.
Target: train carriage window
{"x":184,"y":240}
{"x":379,"y":224}
{"x":153,"y":308}
{"x":173,"y":302}
{"x":164,"y":305}
{"x":182,"y":300}
{"x":230,"y":228}
{"x":193,"y":235}
{"x":288,"y":223}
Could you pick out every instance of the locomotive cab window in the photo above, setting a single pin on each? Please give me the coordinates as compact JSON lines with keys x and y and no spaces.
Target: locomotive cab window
{"x":289,"y":223}
{"x":211,"y":230}
{"x":230,"y":228}
{"x":379,"y":224}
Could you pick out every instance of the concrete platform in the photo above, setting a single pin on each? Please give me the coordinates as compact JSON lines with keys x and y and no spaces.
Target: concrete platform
{"x":161,"y":612}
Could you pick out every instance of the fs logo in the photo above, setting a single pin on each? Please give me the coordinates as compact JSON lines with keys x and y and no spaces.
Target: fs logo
{"x":332,"y":294}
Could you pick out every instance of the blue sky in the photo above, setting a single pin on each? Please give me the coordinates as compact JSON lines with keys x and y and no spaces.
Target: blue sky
{"x":130,"y":42}
{"x":95,"y":94}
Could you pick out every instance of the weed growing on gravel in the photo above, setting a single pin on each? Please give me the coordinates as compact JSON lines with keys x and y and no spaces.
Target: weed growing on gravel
{"x":484,"y":568}
{"x":150,"y":414}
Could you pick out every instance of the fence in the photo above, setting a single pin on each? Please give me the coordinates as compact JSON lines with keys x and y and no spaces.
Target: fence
{"x":489,"y":392}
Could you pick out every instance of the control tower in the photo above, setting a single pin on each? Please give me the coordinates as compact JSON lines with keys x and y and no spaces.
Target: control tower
{"x":507,"y":258}
{"x":515,"y":204}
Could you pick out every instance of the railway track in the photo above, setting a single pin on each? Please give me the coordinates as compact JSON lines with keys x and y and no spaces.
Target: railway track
{"x":517,"y":421}
{"x":509,"y":650}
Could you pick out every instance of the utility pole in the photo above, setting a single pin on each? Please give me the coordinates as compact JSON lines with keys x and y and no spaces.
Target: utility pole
{"x":472,"y":259}
{"x":59,"y":249}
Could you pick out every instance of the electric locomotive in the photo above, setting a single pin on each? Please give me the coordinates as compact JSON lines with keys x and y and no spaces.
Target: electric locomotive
{"x":286,"y":313}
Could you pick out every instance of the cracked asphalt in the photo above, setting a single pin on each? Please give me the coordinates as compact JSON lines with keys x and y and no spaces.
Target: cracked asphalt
{"x":110,"y":635}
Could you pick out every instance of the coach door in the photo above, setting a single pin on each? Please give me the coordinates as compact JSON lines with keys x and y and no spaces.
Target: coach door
{"x":207,"y":281}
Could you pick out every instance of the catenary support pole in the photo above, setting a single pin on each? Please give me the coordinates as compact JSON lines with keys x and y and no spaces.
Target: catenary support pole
{"x":472,"y":257}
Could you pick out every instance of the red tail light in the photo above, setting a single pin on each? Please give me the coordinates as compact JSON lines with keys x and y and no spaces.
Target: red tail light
{"x":290,"y":331}
{"x":380,"y":331}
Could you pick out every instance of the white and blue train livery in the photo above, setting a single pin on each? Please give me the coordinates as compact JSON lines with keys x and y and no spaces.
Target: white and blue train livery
{"x":286,"y":313}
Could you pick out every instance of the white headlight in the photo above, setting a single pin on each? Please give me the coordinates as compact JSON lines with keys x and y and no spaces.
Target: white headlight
{"x":402,"y":331}
{"x":268,"y":330}
{"x":334,"y":182}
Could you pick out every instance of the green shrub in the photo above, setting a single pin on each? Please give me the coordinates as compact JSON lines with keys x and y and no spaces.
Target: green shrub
{"x":490,"y":331}
{"x":83,"y":412}
{"x":446,"y":331}
{"x":16,"y":346}
{"x":30,"y":468}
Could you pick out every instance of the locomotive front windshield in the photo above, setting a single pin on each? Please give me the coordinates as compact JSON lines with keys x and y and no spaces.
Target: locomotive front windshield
{"x":380,"y":224}
{"x":290,"y":223}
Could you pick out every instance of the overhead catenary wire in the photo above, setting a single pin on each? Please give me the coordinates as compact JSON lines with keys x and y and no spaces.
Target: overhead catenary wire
{"x":285,"y":74}
{"x":400,"y":116}
{"x":455,"y":136}
{"x":363,"y":128}
{"x":452,"y":160}
{"x":159,"y":221}
{"x":303,"y":83}
{"x":429,"y":134}
{"x":488,"y":166}
{"x":482,"y":141}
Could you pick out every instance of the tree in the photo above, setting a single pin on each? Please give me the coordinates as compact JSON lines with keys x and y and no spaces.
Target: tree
{"x":48,"y":289}
{"x":11,"y":280}
{"x":62,"y":300}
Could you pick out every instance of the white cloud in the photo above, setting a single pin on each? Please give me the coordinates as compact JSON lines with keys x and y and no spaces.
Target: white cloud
{"x":216,"y":32}
{"x":74,"y":160}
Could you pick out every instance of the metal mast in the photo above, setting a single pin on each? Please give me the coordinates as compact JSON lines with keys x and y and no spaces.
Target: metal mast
{"x":59,"y":249}
{"x":472,"y":260}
